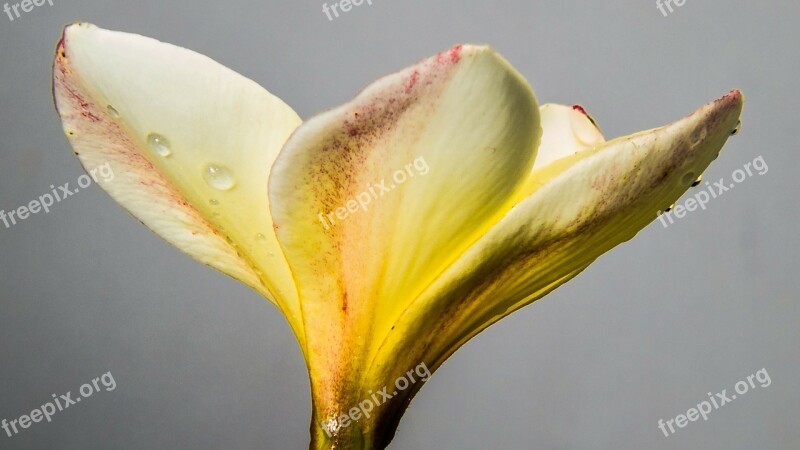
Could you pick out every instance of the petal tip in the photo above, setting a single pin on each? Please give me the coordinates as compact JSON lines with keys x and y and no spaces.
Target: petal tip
{"x":728,"y":108}
{"x":735,"y":94}
{"x":74,"y":27}
{"x":733,"y":99}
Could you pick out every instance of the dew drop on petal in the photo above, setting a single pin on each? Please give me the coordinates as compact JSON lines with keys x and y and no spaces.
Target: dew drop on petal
{"x":697,"y":181}
{"x":214,"y":202}
{"x":689,"y":178}
{"x":218,"y":177}
{"x":112,"y":112}
{"x":737,"y":129}
{"x":159,"y":144}
{"x":261,"y":238}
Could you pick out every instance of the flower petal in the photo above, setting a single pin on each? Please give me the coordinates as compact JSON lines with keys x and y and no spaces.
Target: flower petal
{"x":190,"y":143}
{"x":587,"y":204}
{"x":453,"y":137}
{"x":566,"y":130}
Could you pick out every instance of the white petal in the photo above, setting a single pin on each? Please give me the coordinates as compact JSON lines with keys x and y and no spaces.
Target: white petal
{"x":172,"y":125}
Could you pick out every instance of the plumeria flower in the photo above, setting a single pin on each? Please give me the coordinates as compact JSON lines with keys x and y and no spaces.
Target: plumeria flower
{"x":515,"y":199}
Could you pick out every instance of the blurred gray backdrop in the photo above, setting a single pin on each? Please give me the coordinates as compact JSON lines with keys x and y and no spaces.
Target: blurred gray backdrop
{"x":202,"y":362}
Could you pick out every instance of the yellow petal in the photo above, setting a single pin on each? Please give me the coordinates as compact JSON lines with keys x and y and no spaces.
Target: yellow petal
{"x":453,"y":137}
{"x":190,"y":143}
{"x":586,"y":204}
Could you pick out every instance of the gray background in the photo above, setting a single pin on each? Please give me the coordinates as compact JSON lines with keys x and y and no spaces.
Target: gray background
{"x":202,"y":362}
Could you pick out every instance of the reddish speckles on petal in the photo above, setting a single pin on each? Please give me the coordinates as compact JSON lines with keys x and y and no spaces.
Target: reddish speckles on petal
{"x":352,"y":130}
{"x":371,"y":118}
{"x":451,"y":56}
{"x":91,"y":116}
{"x":455,"y":53}
{"x":412,"y":81}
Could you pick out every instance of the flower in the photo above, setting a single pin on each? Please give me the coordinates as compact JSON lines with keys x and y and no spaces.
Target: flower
{"x":517,"y":199}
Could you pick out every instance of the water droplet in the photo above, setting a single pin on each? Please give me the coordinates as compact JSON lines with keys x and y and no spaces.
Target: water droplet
{"x":689,"y":178}
{"x":214,"y":202}
{"x":219,"y":177}
{"x":737,"y":129}
{"x":112,"y":112}
{"x":159,"y":144}
{"x":697,"y":181}
{"x":261,"y":238}
{"x":699,"y":134}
